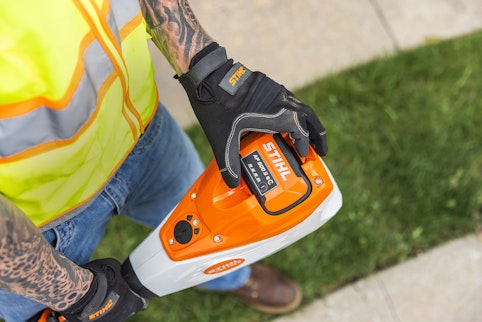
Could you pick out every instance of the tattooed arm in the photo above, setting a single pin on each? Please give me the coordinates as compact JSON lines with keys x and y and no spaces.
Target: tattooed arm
{"x":175,"y":30}
{"x":30,"y":267}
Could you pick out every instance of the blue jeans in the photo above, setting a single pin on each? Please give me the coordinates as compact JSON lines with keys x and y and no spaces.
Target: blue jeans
{"x":150,"y":182}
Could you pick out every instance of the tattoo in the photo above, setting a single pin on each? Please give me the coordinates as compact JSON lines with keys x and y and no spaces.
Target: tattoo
{"x":30,"y":267}
{"x":175,"y":30}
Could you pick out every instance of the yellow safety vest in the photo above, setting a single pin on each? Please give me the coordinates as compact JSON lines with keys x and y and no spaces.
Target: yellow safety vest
{"x":76,"y":92}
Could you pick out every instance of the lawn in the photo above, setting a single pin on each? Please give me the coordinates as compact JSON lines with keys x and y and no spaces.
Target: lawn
{"x":405,"y":136}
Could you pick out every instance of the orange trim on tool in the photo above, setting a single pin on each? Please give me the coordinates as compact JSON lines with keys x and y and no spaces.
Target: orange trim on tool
{"x":45,"y":315}
{"x":24,"y":107}
{"x":223,"y":218}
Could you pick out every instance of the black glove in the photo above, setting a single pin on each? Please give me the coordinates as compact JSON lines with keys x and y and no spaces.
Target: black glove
{"x":229,"y":99}
{"x":109,"y":297}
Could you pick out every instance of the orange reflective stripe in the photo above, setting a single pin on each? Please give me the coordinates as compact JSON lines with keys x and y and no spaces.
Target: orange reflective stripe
{"x":47,"y":146}
{"x":130,"y":26}
{"x":123,"y":32}
{"x":105,"y":8}
{"x":24,"y":107}
{"x":131,"y":123}
{"x":45,"y":124}
{"x":115,"y":55}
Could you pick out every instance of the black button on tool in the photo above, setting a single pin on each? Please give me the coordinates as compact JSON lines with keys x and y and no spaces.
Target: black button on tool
{"x":183,"y":232}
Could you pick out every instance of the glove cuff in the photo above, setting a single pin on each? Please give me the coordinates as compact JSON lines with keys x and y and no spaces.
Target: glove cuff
{"x":206,"y":61}
{"x":203,"y":52}
{"x":97,"y":301}
{"x":89,"y":303}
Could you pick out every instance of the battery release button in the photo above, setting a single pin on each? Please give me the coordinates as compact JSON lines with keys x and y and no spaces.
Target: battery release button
{"x":183,"y":232}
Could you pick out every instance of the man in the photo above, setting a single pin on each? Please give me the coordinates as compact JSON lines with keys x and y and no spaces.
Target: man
{"x":83,"y":138}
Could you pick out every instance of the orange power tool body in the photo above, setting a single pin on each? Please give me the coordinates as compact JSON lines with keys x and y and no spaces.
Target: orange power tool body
{"x":215,"y":229}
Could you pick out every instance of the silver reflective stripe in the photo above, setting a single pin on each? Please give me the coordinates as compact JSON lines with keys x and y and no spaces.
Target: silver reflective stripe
{"x":45,"y":124}
{"x":122,"y":12}
{"x":111,"y":21}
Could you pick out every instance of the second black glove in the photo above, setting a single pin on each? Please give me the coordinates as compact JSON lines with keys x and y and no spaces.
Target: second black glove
{"x":109,"y":298}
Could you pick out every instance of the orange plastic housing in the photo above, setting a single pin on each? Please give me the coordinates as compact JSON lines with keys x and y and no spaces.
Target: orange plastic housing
{"x":278,"y":190}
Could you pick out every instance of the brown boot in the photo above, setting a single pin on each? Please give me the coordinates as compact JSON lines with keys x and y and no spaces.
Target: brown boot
{"x":269,"y":291}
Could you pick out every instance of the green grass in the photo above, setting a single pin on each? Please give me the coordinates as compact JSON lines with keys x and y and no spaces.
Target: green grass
{"x":405,"y":139}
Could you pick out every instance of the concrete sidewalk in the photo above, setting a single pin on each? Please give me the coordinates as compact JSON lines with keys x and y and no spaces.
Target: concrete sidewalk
{"x":297,"y":42}
{"x":443,"y":285}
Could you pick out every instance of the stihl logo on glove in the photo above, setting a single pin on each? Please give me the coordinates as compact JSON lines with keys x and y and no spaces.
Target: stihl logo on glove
{"x":102,"y":310}
{"x":236,"y":76}
{"x":111,"y":301}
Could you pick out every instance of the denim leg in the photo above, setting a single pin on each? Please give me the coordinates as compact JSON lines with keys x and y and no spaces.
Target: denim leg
{"x":15,"y":308}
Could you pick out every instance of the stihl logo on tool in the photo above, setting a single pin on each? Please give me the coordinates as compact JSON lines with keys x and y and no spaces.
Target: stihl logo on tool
{"x":278,"y":162}
{"x":224,"y":266}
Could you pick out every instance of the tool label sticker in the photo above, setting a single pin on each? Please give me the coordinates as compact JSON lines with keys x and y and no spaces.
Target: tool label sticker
{"x":259,"y":173}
